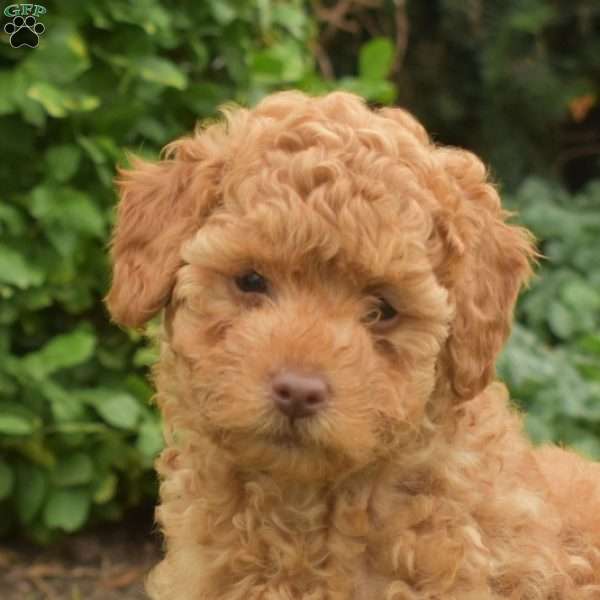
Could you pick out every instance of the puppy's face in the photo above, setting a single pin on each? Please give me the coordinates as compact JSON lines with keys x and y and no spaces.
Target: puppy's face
{"x":324,"y":269}
{"x":329,"y":299}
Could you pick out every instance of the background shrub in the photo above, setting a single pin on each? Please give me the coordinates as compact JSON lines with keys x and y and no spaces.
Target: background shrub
{"x":516,"y":81}
{"x":552,"y":363}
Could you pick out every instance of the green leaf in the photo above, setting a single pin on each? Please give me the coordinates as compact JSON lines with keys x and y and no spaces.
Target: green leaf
{"x":34,"y":448}
{"x":14,"y":424}
{"x":222,"y":10}
{"x":150,"y":439}
{"x":376,"y":58}
{"x":68,"y":209}
{"x":16,"y":270}
{"x":145,"y":356}
{"x":61,"y":352}
{"x":11,"y":220}
{"x":117,"y":408}
{"x":581,"y":296}
{"x":163,"y":72}
{"x":35,"y":299}
{"x":92,"y":148}
{"x":138,"y":387}
{"x":561,"y":321}
{"x":65,"y":405}
{"x":539,"y":210}
{"x":370,"y":89}
{"x":31,"y":491}
{"x":150,"y":16}
{"x":7,"y":480}
{"x":267,"y":67}
{"x":63,"y":161}
{"x":74,"y":469}
{"x":293,"y":18}
{"x":524,"y":363}
{"x":50,"y":97}
{"x":59,"y":102}
{"x":106,"y":489}
{"x":590,"y":343}
{"x":67,"y":509}
{"x":82,"y":102}
{"x":279,"y":63}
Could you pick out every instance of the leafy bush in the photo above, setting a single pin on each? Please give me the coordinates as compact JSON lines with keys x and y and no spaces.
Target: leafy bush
{"x":504,"y":77}
{"x":552,"y":363}
{"x":77,"y":433}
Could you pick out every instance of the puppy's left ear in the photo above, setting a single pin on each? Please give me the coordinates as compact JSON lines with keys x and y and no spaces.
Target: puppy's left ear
{"x":162,"y":204}
{"x":488,"y":261}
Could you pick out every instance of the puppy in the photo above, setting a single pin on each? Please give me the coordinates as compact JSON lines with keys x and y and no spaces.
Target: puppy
{"x":335,"y":289}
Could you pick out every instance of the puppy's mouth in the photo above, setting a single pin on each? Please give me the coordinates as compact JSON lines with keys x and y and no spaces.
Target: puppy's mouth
{"x":289,"y":438}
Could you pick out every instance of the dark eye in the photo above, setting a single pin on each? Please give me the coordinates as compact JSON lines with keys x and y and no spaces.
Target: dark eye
{"x":382,"y":314}
{"x":386,"y":311}
{"x":252,"y":282}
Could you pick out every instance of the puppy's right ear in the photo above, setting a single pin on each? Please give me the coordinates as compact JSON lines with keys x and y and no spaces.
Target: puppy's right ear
{"x":161,"y":206}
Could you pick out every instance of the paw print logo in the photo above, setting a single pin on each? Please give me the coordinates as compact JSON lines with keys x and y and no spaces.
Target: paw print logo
{"x":24,"y":32}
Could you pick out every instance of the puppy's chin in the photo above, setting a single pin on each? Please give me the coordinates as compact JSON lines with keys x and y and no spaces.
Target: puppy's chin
{"x":289,"y":457}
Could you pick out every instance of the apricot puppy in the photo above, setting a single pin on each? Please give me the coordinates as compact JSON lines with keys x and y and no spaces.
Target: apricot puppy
{"x":335,"y":289}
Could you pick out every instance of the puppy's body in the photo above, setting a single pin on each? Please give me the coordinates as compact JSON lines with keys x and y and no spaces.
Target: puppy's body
{"x":481,"y":517}
{"x":337,"y":250}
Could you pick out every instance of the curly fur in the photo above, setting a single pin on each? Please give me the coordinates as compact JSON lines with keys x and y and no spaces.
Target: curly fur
{"x":416,"y":481}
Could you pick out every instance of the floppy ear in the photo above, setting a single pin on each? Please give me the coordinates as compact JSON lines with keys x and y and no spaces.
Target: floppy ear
{"x":489,"y":260}
{"x":161,"y":205}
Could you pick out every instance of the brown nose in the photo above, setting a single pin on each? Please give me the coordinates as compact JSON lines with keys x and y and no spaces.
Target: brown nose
{"x":298,"y":396}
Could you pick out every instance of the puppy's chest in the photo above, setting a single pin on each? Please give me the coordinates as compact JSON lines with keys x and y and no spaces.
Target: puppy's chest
{"x":302,"y":554}
{"x":306,"y":566}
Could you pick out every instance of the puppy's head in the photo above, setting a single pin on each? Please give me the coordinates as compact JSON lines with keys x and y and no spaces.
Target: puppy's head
{"x":331,"y":279}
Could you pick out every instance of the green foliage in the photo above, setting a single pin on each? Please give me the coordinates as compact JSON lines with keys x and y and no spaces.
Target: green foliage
{"x":375,"y":62}
{"x":78,"y":435}
{"x":500,"y":77}
{"x":553,"y":366}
